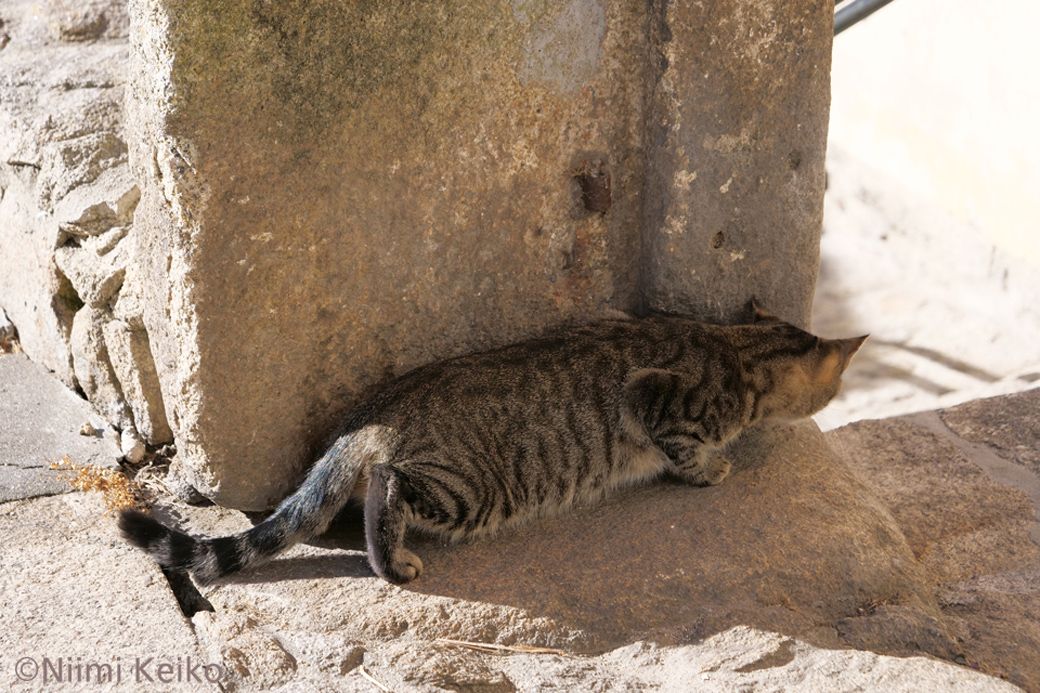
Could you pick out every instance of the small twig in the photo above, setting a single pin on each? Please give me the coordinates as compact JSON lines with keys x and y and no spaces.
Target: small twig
{"x":501,"y":649}
{"x":373,"y":680}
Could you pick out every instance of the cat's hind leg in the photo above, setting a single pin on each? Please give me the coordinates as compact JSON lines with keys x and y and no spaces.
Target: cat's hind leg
{"x":386,"y":519}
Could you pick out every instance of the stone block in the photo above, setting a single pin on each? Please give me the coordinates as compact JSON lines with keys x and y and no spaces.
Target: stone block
{"x":131,"y":359}
{"x":960,"y":487}
{"x":63,"y":173}
{"x":67,"y":195}
{"x":401,"y":183}
{"x":736,"y":138}
{"x":755,"y":582}
{"x":93,"y":367}
{"x":302,"y":634}
{"x":40,"y":422}
{"x":74,"y":592}
{"x":1010,"y":425}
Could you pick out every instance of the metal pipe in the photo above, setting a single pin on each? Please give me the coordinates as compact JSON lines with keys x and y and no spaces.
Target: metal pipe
{"x":855,"y":10}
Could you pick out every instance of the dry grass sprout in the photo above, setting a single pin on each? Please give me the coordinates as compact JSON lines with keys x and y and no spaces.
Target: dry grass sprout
{"x":117,"y":490}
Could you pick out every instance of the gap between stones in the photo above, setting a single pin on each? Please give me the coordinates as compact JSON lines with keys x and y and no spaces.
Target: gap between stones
{"x":188,"y":597}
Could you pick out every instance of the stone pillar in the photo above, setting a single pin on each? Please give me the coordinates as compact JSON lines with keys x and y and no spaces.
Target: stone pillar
{"x":737,"y":134}
{"x":335,"y":193}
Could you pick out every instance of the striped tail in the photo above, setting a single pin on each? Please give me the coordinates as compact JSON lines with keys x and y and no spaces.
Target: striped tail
{"x":304,"y":514}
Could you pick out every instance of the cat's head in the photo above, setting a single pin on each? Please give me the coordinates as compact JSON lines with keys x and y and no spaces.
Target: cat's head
{"x":796,"y":373}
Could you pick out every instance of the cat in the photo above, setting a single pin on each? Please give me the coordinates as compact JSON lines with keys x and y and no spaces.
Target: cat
{"x":464,"y":447}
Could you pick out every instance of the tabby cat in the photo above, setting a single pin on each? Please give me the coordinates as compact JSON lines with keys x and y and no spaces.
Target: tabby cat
{"x":465,"y":447}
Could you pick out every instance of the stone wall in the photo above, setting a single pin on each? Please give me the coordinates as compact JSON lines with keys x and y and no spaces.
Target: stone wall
{"x":333,"y":194}
{"x":67,"y":201}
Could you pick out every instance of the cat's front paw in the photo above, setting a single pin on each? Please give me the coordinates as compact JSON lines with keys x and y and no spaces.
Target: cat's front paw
{"x":404,"y":567}
{"x":709,"y":473}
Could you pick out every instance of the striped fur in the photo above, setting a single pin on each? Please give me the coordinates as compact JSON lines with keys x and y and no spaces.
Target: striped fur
{"x":464,"y":447}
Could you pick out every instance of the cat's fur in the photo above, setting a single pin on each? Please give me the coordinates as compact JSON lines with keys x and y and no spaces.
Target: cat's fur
{"x":467,"y":446}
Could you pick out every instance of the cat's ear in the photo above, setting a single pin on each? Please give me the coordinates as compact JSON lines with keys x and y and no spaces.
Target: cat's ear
{"x":757,"y":313}
{"x":835,"y":355}
{"x":847,"y":348}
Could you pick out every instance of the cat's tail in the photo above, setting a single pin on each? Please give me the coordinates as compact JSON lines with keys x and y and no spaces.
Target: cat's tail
{"x":304,"y":514}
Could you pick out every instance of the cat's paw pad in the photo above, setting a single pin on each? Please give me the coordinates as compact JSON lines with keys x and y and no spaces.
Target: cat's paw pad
{"x":405,"y":567}
{"x":712,"y":472}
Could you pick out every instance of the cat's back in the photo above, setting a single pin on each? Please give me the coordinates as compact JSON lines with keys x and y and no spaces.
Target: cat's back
{"x":586,"y":363}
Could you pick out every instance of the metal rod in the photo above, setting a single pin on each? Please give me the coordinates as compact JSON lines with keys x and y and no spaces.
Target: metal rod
{"x":855,"y":10}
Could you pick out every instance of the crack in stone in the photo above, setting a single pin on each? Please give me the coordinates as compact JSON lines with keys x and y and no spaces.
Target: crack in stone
{"x":188,"y":597}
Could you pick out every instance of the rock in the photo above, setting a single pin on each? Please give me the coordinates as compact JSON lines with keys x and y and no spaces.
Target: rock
{"x":734,"y":187}
{"x":668,"y":563}
{"x":180,"y":487}
{"x":742,"y":659}
{"x":41,"y":423}
{"x":305,"y":194}
{"x":71,"y":163}
{"x":132,"y":361}
{"x":38,"y":299}
{"x":1008,"y":425}
{"x":109,"y":200}
{"x":970,"y":520}
{"x":131,"y":446}
{"x":88,"y":20}
{"x":74,"y":590}
{"x":63,"y":575}
{"x":792,"y":539}
{"x":444,"y":668}
{"x":63,"y":174}
{"x":93,"y":368}
{"x":96,"y":277}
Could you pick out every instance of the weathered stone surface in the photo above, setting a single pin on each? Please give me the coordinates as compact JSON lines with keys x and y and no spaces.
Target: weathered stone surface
{"x":768,"y":570}
{"x":88,"y":20}
{"x":73,"y":590}
{"x":792,"y":542}
{"x":823,"y":551}
{"x":736,"y":140}
{"x":106,"y":202}
{"x":95,"y":275}
{"x":93,"y":367}
{"x":68,"y":601}
{"x":36,"y":297}
{"x":40,"y":421}
{"x":1009,"y":425}
{"x":971,"y":524}
{"x":67,"y":196}
{"x":131,"y":358}
{"x":412,"y":183}
{"x":740,"y":658}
